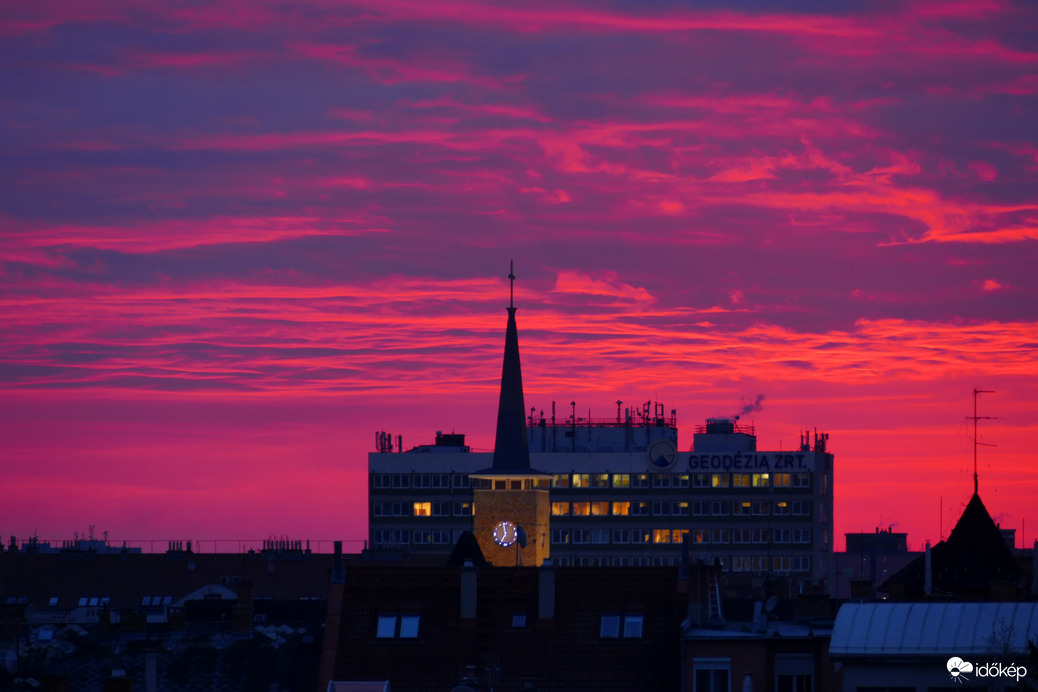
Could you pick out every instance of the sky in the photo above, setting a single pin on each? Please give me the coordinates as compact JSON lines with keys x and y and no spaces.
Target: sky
{"x":237,"y":239}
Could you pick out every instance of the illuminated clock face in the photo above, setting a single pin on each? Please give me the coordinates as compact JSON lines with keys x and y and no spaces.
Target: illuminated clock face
{"x":504,"y":533}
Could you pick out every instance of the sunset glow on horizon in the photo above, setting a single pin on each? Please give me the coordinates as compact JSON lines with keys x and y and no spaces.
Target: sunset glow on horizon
{"x":237,"y":240}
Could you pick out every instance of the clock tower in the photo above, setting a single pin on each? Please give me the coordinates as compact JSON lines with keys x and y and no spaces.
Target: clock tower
{"x":510,"y":502}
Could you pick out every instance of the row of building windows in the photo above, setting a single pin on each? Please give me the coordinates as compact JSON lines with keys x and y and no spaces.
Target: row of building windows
{"x":396,"y":537}
{"x":422,"y":509}
{"x":664,"y":536}
{"x":725,"y":536}
{"x":445,"y":481}
{"x":682,"y":480}
{"x":780,"y":563}
{"x":435,"y":481}
{"x":605,"y":508}
{"x":698,"y":508}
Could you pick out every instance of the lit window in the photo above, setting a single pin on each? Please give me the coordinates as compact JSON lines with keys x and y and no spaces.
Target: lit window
{"x":582,"y":509}
{"x":640,"y":480}
{"x":621,"y":480}
{"x":621,"y":509}
{"x":422,"y":509}
{"x":761,"y":480}
{"x":561,"y":480}
{"x":559,"y":509}
{"x":783,"y":480}
{"x":581,"y":480}
{"x":719,"y":480}
{"x":610,"y":627}
{"x":740,"y":480}
{"x":632,"y":627}
{"x":600,"y":480}
{"x":661,"y":536}
{"x":599,"y":509}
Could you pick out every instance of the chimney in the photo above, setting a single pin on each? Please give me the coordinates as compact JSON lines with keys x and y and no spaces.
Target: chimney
{"x":468,"y":591}
{"x":928,"y":573}
{"x":546,"y":591}
{"x":338,"y":574}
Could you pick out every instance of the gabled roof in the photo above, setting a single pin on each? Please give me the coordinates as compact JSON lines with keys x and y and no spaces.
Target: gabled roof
{"x":973,"y":556}
{"x":939,"y":629}
{"x":467,"y":550}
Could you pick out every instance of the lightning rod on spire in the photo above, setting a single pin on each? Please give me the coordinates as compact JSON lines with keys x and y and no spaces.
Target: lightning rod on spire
{"x":511,"y":283}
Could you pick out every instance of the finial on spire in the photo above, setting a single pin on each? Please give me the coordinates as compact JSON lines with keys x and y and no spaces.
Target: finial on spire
{"x":511,"y":284}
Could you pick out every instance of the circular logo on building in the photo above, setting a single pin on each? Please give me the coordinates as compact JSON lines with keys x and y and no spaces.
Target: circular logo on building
{"x":662,"y":454}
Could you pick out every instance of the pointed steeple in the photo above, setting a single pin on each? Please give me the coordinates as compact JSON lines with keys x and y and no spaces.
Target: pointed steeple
{"x":511,"y":446}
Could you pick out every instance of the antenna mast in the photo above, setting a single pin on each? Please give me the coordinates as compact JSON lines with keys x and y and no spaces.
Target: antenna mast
{"x":975,"y":418}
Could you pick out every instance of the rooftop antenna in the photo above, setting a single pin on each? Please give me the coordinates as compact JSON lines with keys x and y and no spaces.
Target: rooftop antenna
{"x":975,"y":418}
{"x":511,"y":283}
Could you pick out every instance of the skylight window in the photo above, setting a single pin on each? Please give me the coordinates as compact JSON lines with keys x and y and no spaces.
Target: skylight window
{"x":610,"y":627}
{"x":394,"y":627}
{"x":386,"y":627}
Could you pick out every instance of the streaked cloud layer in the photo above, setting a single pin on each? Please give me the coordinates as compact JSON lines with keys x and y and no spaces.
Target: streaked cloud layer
{"x":237,"y":239}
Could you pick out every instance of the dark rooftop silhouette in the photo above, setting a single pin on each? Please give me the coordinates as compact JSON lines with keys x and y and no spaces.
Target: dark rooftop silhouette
{"x":974,"y":556}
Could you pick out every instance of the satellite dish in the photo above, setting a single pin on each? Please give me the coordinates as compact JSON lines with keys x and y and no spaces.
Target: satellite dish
{"x":520,"y":536}
{"x":770,"y":604}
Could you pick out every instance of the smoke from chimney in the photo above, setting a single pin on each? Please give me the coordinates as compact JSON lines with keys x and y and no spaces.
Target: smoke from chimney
{"x":750,"y":408}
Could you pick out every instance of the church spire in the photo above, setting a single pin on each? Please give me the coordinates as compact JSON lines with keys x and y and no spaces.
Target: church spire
{"x":511,"y":446}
